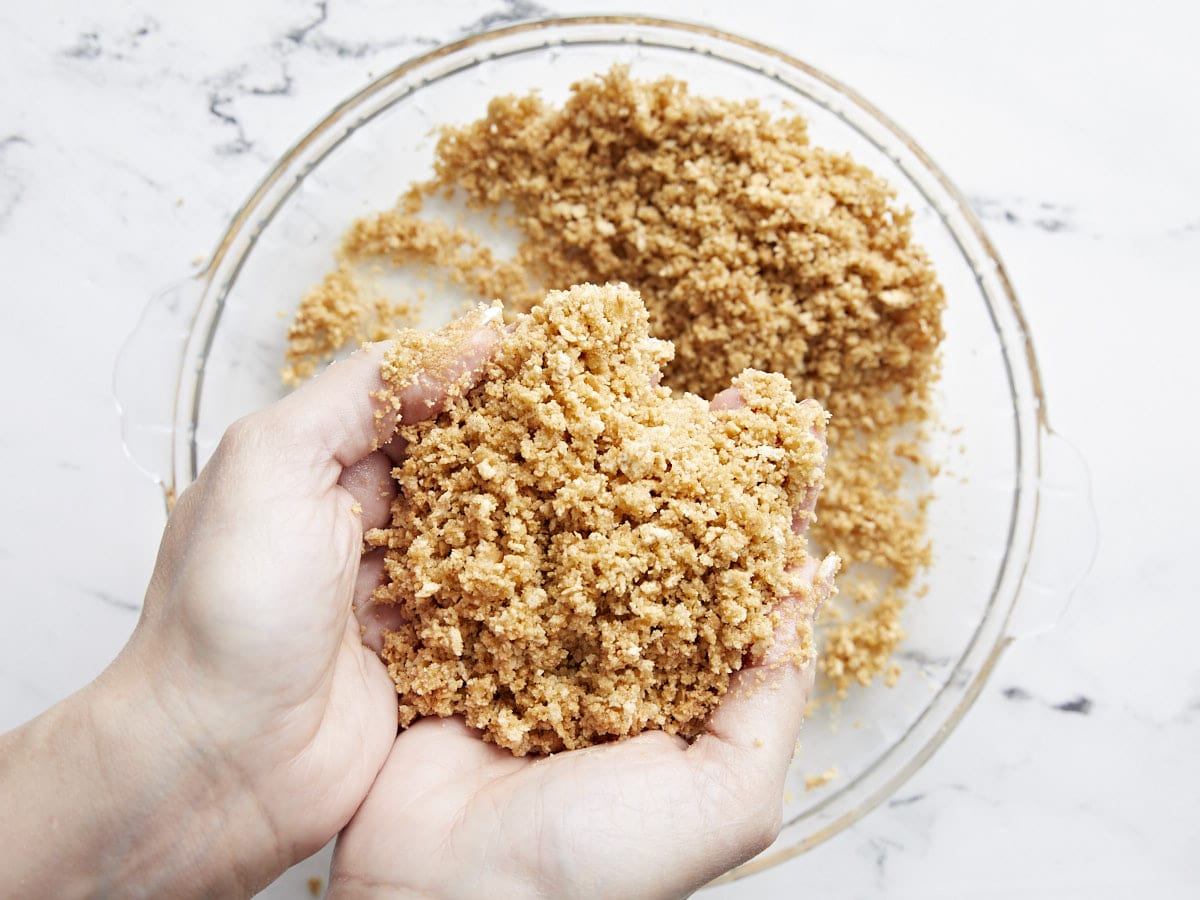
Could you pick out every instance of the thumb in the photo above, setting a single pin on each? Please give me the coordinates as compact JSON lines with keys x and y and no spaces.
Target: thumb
{"x":345,"y":413}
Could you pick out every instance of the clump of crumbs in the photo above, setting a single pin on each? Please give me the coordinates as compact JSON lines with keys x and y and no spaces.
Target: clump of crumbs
{"x":579,"y":553}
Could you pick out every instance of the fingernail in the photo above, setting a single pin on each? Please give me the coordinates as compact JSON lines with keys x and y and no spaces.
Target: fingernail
{"x":481,"y":317}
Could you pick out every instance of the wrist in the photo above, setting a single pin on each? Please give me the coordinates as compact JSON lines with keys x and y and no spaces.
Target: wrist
{"x":105,"y":795}
{"x":183,"y":818}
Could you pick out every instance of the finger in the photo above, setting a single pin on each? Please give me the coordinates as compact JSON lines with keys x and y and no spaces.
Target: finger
{"x":730,"y":398}
{"x":459,"y":351}
{"x":369,"y":482}
{"x":764,"y":708}
{"x":473,"y":339}
{"x":395,"y":450}
{"x":339,"y":417}
{"x":458,"y":750}
{"x":373,"y":618}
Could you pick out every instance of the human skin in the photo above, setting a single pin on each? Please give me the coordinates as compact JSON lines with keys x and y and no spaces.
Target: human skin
{"x":245,"y":721}
{"x":650,"y":817}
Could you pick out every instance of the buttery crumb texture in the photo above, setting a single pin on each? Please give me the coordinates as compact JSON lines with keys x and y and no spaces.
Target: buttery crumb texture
{"x":581,"y":554}
{"x":339,"y":311}
{"x":750,"y":247}
{"x":812,"y":782}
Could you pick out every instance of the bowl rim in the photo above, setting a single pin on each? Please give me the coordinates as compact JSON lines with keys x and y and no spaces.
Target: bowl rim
{"x":990,"y":638}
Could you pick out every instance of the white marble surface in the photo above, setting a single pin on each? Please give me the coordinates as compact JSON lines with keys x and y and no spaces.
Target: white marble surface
{"x":130,"y":131}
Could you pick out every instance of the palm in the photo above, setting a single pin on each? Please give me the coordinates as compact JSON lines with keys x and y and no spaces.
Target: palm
{"x":321,"y":711}
{"x":249,"y":616}
{"x":450,"y":815}
{"x":652,"y":816}
{"x":596,"y":822}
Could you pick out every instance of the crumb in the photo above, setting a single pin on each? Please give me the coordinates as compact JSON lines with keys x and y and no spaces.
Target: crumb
{"x":750,"y":247}
{"x":337,"y":312}
{"x":891,"y":676}
{"x":316,"y":885}
{"x":356,"y":509}
{"x":858,"y":650}
{"x":581,"y":553}
{"x":329,"y":318}
{"x":812,"y":782}
{"x":758,"y":742}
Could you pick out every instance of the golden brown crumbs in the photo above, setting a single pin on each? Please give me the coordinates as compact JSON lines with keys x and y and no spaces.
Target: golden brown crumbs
{"x":328,"y":319}
{"x":581,"y":554}
{"x":419,"y":354}
{"x":401,"y":239}
{"x":751,"y":248}
{"x":316,"y":885}
{"x":337,"y":312}
{"x":860,"y":648}
{"x":425,"y":360}
{"x":891,"y":676}
{"x":812,"y":782}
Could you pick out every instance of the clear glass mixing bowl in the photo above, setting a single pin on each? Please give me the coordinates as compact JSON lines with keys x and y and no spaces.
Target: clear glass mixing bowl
{"x":1011,"y":514}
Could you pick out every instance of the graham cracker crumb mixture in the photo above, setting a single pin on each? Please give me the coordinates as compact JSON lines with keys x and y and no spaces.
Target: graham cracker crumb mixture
{"x":580,"y":553}
{"x":340,"y":310}
{"x":427,"y":361}
{"x":751,"y":248}
{"x":860,"y":648}
{"x":812,"y":782}
{"x":344,"y":309}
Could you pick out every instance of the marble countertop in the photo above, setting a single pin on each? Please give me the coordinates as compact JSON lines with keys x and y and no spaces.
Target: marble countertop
{"x":131,"y":131}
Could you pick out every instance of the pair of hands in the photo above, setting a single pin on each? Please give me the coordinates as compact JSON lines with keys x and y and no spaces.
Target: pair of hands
{"x":254,"y":725}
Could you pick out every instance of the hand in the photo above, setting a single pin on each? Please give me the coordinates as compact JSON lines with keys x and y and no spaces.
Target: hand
{"x":242,"y":725}
{"x":248,"y":619}
{"x":452,"y":816}
{"x":652,"y":816}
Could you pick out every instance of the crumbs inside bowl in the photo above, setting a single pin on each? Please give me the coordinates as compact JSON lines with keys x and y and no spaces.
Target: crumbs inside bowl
{"x":577,"y":552}
{"x":768,"y":218}
{"x":751,"y":248}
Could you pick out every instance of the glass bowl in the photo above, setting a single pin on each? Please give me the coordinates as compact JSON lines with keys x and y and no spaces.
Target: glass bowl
{"x":1011,"y":512}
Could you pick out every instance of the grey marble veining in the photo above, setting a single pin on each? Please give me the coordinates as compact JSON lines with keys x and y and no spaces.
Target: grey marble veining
{"x":130,"y":132}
